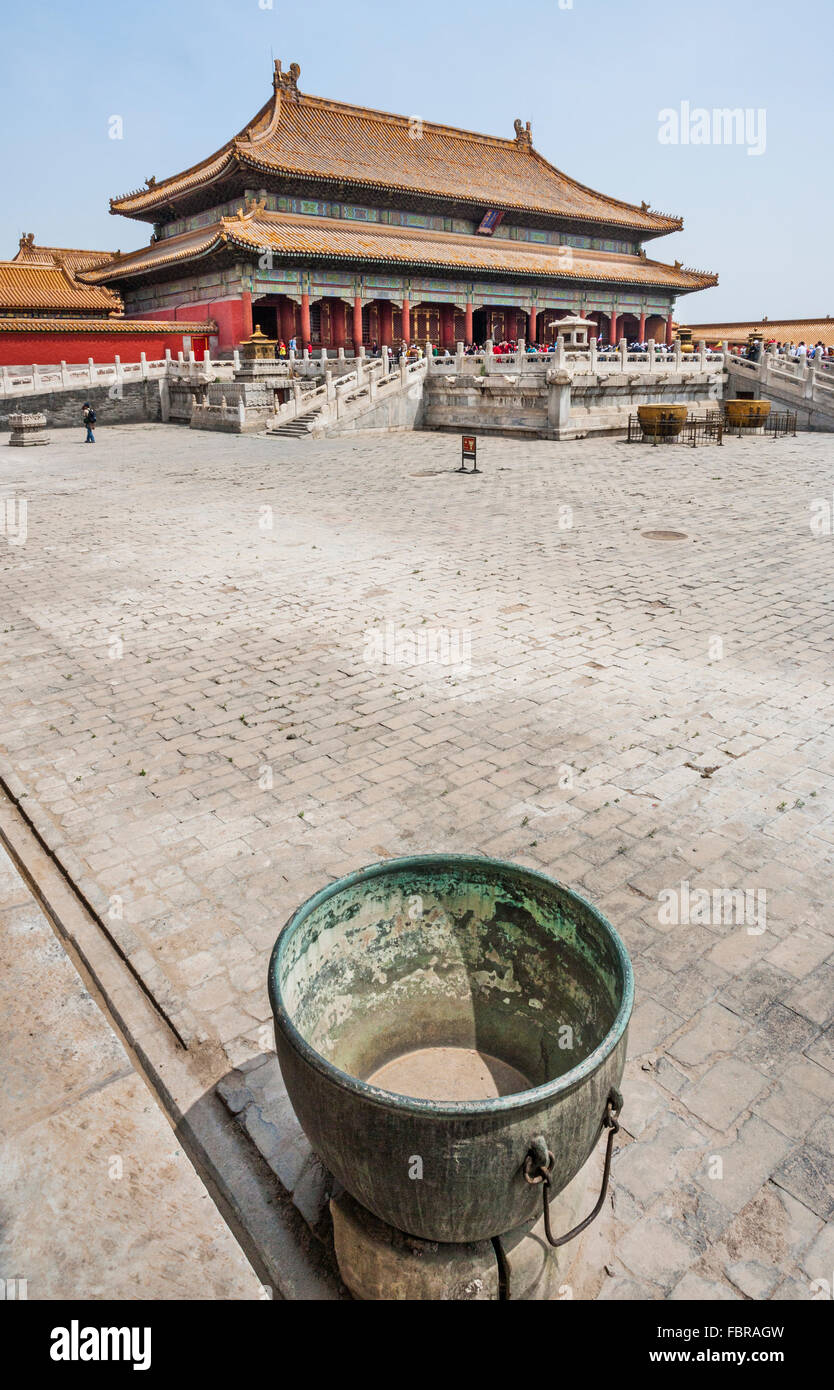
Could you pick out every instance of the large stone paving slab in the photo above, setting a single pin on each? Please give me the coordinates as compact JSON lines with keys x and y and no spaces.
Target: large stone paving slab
{"x":215,"y":701}
{"x":99,"y":1199}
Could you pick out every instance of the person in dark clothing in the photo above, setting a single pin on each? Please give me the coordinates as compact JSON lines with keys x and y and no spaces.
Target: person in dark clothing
{"x":89,"y":418}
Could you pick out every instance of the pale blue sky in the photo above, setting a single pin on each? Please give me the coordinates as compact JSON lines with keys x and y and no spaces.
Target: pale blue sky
{"x":592,"y":77}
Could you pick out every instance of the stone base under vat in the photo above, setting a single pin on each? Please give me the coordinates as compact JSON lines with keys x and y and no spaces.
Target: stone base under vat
{"x":380,"y":1263}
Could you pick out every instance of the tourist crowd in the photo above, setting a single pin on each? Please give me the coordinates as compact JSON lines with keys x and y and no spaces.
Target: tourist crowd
{"x":801,"y":352}
{"x":752,"y":351}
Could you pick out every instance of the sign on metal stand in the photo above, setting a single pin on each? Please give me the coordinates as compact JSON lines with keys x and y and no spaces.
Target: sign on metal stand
{"x":468,"y":454}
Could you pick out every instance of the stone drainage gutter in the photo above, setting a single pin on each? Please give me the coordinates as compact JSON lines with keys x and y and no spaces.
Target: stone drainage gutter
{"x":291,"y":1262}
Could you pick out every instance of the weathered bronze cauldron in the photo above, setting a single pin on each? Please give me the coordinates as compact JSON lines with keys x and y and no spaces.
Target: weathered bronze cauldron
{"x":494,"y":996}
{"x":662,"y":421}
{"x":746,"y":414}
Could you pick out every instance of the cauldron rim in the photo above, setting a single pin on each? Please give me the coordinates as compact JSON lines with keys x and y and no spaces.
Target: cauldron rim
{"x":517,"y":1100}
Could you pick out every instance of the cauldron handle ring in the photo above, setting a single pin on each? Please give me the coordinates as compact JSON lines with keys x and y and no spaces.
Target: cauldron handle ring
{"x":538,"y":1165}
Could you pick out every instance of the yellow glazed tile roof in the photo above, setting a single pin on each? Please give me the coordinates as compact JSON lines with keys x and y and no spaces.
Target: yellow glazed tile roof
{"x":780,"y":330}
{"x":71,"y":257}
{"x":305,"y":136}
{"x":318,"y":238}
{"x":26,"y":285}
{"x":115,"y":325}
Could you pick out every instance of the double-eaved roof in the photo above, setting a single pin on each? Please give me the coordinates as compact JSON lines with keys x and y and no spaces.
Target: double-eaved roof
{"x":314,"y":139}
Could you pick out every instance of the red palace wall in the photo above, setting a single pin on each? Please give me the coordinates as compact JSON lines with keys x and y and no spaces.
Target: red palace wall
{"x":48,"y":349}
{"x":232,"y":316}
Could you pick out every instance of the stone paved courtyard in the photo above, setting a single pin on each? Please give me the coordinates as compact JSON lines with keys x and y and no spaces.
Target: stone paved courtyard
{"x":99,"y":1200}
{"x":201,"y":724}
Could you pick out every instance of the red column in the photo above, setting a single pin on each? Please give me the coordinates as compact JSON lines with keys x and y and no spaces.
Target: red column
{"x":531,"y":326}
{"x":337,"y":318}
{"x":467,"y":332}
{"x":357,"y":325}
{"x":669,"y":331}
{"x":287,"y":329}
{"x":246,"y":301}
{"x":447,"y":325}
{"x":407,"y":320}
{"x":306,"y":334}
{"x":386,"y":323}
{"x":641,"y":332}
{"x":613,"y":330}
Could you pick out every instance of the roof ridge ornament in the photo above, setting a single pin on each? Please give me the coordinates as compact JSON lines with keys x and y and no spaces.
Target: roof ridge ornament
{"x":253,"y":208}
{"x":523,"y":135}
{"x":286,"y":81}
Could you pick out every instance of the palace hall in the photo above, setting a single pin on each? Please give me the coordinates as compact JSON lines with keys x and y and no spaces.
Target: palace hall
{"x":343,"y":226}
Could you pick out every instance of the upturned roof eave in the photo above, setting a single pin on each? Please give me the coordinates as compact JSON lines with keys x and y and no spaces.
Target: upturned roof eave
{"x":226,"y":238}
{"x":242,"y":150}
{"x":165,"y":195}
{"x":661,"y":226}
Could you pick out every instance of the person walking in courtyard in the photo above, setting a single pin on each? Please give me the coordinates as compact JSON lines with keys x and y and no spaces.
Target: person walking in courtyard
{"x":88,"y":416}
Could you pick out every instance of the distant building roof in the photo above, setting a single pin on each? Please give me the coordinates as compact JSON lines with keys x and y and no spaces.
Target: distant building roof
{"x":49,"y":324}
{"x":330,"y":240}
{"x":72,"y":258}
{"x":779,"y":330}
{"x":42,"y":279}
{"x":313,"y":138}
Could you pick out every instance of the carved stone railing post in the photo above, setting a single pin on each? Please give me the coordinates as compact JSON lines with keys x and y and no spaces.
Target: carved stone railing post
{"x":558,"y":401}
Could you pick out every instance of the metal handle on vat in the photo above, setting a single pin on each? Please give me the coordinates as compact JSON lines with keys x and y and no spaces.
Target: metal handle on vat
{"x":538,"y":1165}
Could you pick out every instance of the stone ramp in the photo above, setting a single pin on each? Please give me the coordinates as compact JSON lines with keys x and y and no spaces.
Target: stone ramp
{"x":375,"y":395}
